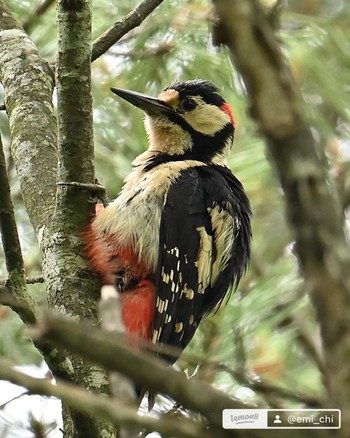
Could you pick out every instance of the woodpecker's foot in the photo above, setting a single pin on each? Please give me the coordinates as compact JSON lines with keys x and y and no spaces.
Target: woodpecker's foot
{"x":98,"y":190}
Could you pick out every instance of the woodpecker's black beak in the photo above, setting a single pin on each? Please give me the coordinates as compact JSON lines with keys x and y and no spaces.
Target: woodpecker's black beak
{"x":150,"y":105}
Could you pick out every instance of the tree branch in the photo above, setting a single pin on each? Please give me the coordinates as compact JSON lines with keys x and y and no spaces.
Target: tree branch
{"x":28,"y":83}
{"x":314,"y":212}
{"x":72,"y":288}
{"x":73,"y":209}
{"x":28,"y":280}
{"x":75,"y":134}
{"x":121,"y":28}
{"x":259,"y":385}
{"x":115,"y":353}
{"x":122,"y":388}
{"x":34,"y":280}
{"x":161,"y":50}
{"x":109,"y":310}
{"x":16,"y":283}
{"x":102,"y":407}
{"x":40,"y":9}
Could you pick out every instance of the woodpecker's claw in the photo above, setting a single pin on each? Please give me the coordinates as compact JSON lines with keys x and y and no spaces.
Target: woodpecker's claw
{"x":97,"y":189}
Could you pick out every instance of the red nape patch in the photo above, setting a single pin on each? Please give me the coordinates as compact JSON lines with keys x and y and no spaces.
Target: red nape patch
{"x":228,"y":110}
{"x":138,"y":308}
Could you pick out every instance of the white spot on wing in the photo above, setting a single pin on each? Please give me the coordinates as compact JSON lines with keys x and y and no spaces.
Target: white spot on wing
{"x":179,"y":327}
{"x":166,"y":278}
{"x":188,"y":292}
{"x":224,"y":227}
{"x":204,"y":261}
{"x":160,"y":304}
{"x":156,"y":334}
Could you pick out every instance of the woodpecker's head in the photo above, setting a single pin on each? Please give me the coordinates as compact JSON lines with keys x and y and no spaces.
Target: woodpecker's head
{"x":190,"y":120}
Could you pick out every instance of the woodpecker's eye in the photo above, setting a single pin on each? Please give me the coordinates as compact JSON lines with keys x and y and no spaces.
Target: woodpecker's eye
{"x":188,"y":105}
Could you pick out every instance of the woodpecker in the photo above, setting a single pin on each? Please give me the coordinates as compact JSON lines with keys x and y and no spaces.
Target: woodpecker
{"x":177,"y":238}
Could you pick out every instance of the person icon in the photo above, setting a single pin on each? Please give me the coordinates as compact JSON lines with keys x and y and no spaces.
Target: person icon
{"x":277,"y":419}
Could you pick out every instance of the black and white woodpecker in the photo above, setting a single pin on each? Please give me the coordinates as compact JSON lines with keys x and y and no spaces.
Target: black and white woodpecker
{"x":179,"y":232}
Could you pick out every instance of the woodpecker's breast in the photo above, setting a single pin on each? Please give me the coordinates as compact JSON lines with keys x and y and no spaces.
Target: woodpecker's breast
{"x":132,"y":220}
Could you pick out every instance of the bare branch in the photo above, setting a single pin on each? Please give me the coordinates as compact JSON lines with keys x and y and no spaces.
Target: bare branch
{"x":261,"y":386}
{"x":8,"y":228}
{"x":101,"y":407}
{"x":314,"y":211}
{"x":71,"y":286}
{"x":18,"y":305}
{"x":3,"y":405}
{"x":40,"y":9}
{"x":307,"y":341}
{"x":161,"y":50}
{"x":73,"y":78}
{"x":116,"y":354}
{"x":122,"y":388}
{"x":28,"y":82}
{"x":73,"y":209}
{"x":16,"y":283}
{"x":132,"y":20}
{"x":111,"y":321}
{"x":33,"y":280}
{"x":29,"y":280}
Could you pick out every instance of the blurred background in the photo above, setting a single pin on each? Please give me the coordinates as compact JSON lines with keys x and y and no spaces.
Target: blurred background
{"x":265,"y":338}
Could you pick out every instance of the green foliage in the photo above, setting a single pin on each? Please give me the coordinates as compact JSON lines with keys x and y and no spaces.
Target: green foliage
{"x":15,"y":344}
{"x":261,"y":329}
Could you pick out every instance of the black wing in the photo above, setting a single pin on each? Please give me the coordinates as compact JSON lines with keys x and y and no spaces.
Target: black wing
{"x":204,"y":248}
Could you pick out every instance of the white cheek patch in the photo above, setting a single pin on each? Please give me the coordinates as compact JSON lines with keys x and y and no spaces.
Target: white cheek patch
{"x":207,"y":119}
